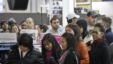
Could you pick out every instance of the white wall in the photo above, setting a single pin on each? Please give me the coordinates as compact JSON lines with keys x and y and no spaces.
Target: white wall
{"x":41,"y":5}
{"x":68,"y":7}
{"x":105,"y":8}
{"x":1,"y":6}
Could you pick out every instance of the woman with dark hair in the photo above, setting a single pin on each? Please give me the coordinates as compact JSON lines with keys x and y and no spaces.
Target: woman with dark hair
{"x":50,"y":49}
{"x":24,"y":52}
{"x":4,"y":26}
{"x":69,"y":55}
{"x":23,"y":24}
{"x":15,"y":29}
{"x":83,"y":27}
{"x":42,"y":28}
{"x":80,"y":46}
{"x":99,"y":53}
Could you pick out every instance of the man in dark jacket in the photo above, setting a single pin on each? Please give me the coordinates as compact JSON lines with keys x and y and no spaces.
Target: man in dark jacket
{"x":107,"y":21}
{"x":99,"y":53}
{"x":23,"y":53}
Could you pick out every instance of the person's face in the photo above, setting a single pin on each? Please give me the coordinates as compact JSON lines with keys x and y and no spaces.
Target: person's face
{"x":96,"y":33}
{"x":81,"y":30}
{"x":5,"y":26}
{"x":15,"y":29}
{"x":55,"y":24}
{"x":91,"y":20}
{"x":24,"y":25}
{"x":74,"y":20}
{"x":63,"y":44}
{"x":48,"y":45}
{"x":95,"y":36}
{"x":24,"y":49}
{"x":105,"y":25}
{"x":69,"y":30}
{"x":30,"y":24}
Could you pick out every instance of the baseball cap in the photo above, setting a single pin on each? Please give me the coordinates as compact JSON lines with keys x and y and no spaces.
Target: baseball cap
{"x":72,"y":15}
{"x":92,"y":13}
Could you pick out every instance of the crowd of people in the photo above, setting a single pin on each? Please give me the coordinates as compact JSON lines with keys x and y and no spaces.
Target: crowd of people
{"x":82,"y":41}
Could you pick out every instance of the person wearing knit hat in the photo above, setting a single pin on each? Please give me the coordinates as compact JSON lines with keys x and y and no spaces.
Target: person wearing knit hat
{"x":72,"y":18}
{"x":11,"y":21}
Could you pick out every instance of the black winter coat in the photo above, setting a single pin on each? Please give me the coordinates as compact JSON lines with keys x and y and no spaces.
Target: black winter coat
{"x":99,"y":52}
{"x":32,"y":57}
{"x":71,"y":58}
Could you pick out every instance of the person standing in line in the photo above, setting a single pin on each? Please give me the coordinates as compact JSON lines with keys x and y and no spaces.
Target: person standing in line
{"x":99,"y":53}
{"x":23,"y":52}
{"x":55,"y":28}
{"x":69,"y":55}
{"x":80,"y":46}
{"x":107,"y":22}
{"x":72,"y":18}
{"x":50,"y":49}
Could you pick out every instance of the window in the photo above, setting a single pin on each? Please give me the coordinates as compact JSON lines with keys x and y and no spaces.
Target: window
{"x":18,"y":4}
{"x":1,"y":5}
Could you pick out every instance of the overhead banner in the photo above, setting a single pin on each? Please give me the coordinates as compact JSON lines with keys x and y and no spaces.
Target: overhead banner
{"x":8,"y":38}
